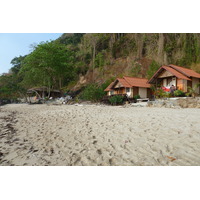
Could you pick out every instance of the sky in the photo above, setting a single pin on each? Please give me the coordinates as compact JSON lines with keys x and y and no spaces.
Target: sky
{"x":15,"y":44}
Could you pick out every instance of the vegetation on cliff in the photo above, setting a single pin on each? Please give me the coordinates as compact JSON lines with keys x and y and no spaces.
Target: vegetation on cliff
{"x":75,"y":60}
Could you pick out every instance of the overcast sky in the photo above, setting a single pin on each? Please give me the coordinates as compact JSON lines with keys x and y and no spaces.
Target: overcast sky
{"x":16,"y":44}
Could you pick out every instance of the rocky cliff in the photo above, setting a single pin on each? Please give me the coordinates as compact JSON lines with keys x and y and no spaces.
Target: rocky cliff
{"x":109,"y":55}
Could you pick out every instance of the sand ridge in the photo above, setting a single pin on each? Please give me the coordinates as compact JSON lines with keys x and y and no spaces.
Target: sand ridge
{"x":98,"y":135}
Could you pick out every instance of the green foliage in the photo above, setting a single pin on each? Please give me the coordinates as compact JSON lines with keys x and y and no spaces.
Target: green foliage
{"x":50,"y":64}
{"x":170,"y":44}
{"x":73,"y":39}
{"x":80,"y":68}
{"x":179,"y":93}
{"x":136,"y":97}
{"x":59,"y":63}
{"x":192,"y":91}
{"x":87,"y":58}
{"x":153,"y":67}
{"x":10,"y":87}
{"x":115,"y":100}
{"x":93,"y":92}
{"x":159,"y":93}
{"x":191,"y":50}
{"x":136,"y":70}
{"x":100,"y":59}
{"x":123,"y":46}
{"x":107,"y":83}
{"x":102,"y":41}
{"x":17,"y":64}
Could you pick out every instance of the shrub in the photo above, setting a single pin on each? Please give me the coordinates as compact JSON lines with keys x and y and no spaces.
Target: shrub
{"x":136,"y":97}
{"x":160,"y":93}
{"x":179,"y":93}
{"x":168,"y":95}
{"x":192,"y":91}
{"x":114,"y":100}
{"x":93,"y":92}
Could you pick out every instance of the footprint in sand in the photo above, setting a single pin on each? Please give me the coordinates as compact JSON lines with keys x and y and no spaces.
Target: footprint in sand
{"x":99,"y":151}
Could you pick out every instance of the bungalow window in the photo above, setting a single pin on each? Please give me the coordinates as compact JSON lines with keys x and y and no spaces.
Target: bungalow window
{"x":127,"y":89}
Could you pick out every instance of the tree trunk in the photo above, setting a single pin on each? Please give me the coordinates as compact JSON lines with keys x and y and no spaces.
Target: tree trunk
{"x":140,"y":43}
{"x":93,"y":63}
{"x":49,"y":90}
{"x":161,"y":48}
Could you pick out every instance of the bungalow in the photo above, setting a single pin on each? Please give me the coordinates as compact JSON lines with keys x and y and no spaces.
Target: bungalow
{"x":180,"y":77}
{"x":129,"y":86}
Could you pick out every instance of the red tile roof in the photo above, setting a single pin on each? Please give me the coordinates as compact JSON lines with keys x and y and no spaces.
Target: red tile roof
{"x":124,"y":82}
{"x":179,"y":72}
{"x":176,"y":73}
{"x":186,"y":71}
{"x":137,"y":82}
{"x":129,"y":82}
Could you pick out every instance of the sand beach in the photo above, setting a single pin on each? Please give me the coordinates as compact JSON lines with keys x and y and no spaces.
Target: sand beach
{"x":98,"y":135}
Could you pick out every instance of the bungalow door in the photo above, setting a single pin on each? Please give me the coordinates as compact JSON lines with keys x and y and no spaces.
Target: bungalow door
{"x":143,"y":92}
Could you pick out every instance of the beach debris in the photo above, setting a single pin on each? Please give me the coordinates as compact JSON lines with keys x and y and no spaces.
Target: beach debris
{"x":171,"y":158}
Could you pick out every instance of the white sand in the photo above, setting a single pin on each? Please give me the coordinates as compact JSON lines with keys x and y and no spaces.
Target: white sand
{"x":98,"y":135}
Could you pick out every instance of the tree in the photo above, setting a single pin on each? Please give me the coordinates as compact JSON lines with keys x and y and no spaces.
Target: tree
{"x":17,"y":64}
{"x":153,"y":67}
{"x":94,"y":92}
{"x":50,"y":64}
{"x":71,"y":38}
{"x":10,"y":87}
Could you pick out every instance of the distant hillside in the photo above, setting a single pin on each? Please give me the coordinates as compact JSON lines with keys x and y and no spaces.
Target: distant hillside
{"x":106,"y":56}
{"x":87,"y":63}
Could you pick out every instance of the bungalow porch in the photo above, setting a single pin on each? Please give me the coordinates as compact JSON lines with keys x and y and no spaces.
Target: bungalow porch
{"x":180,"y":77}
{"x":129,"y":86}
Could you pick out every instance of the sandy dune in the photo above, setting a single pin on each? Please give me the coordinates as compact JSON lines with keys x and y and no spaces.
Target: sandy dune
{"x":98,"y":135}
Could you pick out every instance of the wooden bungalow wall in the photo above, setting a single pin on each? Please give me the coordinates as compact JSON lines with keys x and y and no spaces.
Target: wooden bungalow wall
{"x":182,"y":85}
{"x":120,"y":91}
{"x":135,"y":91}
{"x":149,"y":93}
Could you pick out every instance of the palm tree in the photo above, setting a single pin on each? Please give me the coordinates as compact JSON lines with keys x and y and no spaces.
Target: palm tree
{"x":192,"y":91}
